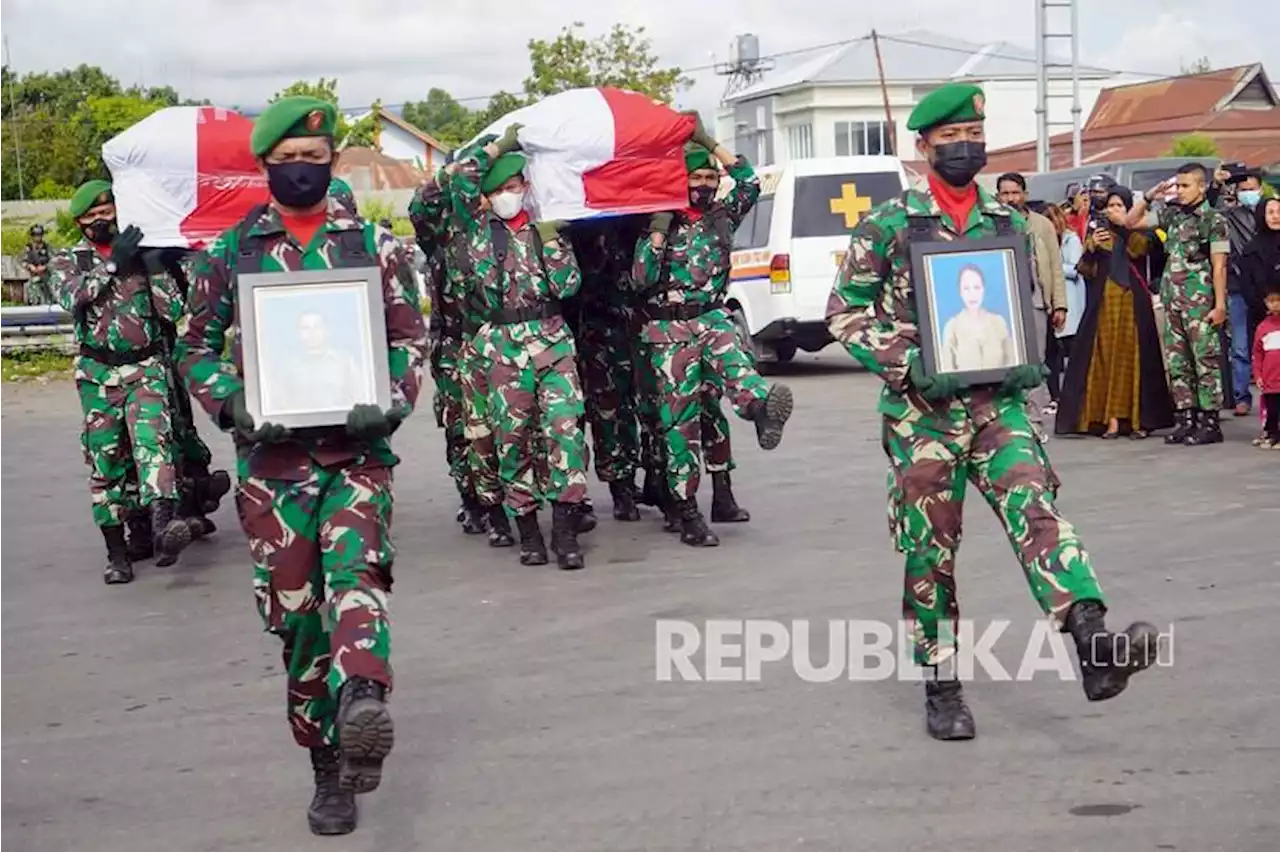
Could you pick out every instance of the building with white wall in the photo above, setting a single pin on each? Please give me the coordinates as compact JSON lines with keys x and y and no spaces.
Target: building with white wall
{"x":833,"y":104}
{"x":400,"y":140}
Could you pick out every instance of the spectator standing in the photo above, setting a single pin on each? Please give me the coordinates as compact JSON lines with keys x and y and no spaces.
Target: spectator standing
{"x":1259,"y":272}
{"x":1266,"y":367}
{"x":1240,"y":194}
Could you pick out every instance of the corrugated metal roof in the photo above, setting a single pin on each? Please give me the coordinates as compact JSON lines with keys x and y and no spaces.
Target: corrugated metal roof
{"x":1255,"y":147}
{"x":918,"y":56}
{"x":1172,"y":97}
{"x":367,"y":169}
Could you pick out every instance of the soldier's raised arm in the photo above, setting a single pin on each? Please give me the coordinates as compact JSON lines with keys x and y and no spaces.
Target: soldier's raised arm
{"x":428,"y":211}
{"x":563,"y":273}
{"x":210,"y":311}
{"x":406,"y":332}
{"x":651,"y":250}
{"x":857,"y":315}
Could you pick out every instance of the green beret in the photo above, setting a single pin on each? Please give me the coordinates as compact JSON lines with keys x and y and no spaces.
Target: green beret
{"x":949,"y":104}
{"x":91,"y":194}
{"x":503,"y":169}
{"x":696,"y":157}
{"x":290,"y":117}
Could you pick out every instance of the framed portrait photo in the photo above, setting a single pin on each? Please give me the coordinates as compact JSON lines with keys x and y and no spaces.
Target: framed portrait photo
{"x":973,"y":301}
{"x":314,"y":345}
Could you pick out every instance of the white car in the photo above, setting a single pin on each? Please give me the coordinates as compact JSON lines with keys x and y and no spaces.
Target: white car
{"x":788,"y":249}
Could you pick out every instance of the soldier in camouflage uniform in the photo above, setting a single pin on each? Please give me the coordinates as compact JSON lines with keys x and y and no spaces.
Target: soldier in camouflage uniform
{"x":315,"y":503}
{"x":1193,"y":290}
{"x":606,"y":360}
{"x":121,"y":300}
{"x":938,"y":433}
{"x":427,"y":212}
{"x":36,"y":260}
{"x":516,"y":272}
{"x":463,"y":390}
{"x":682,"y":266}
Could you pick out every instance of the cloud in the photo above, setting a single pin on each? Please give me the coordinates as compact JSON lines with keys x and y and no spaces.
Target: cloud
{"x":242,"y":51}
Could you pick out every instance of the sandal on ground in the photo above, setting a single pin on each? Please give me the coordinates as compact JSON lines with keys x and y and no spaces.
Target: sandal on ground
{"x":1110,"y":436}
{"x":1138,"y":434}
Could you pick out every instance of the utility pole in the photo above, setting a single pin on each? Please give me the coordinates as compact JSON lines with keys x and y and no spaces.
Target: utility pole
{"x":884,"y":93}
{"x":13,"y":117}
{"x":1043,"y":77}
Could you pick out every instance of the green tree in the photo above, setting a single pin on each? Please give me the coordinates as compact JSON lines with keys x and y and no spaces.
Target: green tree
{"x":362,"y":133}
{"x":442,"y":117}
{"x":1193,"y":145}
{"x":622,"y":58}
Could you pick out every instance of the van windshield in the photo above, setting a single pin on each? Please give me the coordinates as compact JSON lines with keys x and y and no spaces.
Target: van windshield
{"x":830,"y":205}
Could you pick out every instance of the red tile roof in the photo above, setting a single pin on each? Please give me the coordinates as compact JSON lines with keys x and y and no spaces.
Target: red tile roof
{"x":367,"y":169}
{"x":1141,"y":121}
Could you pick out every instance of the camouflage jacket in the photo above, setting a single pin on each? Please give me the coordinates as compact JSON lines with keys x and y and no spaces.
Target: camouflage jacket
{"x":429,"y":214}
{"x":213,"y":314}
{"x":692,"y":266}
{"x":533,"y":273}
{"x":119,"y":314}
{"x":872,"y":308}
{"x":1193,"y":237}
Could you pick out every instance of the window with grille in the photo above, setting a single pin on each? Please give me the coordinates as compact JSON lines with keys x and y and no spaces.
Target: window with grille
{"x":800,"y":141}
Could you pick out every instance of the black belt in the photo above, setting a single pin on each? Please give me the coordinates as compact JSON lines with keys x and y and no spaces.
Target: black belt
{"x":545,"y":310}
{"x":119,"y":359}
{"x":681,"y":312}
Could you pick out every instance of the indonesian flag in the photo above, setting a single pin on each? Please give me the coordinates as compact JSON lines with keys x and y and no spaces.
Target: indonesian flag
{"x":602,"y":152}
{"x":184,"y":175}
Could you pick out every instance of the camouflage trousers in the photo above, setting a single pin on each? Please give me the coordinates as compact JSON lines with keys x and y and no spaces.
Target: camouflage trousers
{"x":537,"y":411}
{"x":191,"y":449}
{"x":451,"y":414}
{"x":39,"y":290}
{"x":993,"y":444}
{"x":127,"y":435}
{"x":607,"y":371}
{"x":1193,"y":350}
{"x":322,"y":556}
{"x":481,"y":452}
{"x":704,"y":357}
{"x":717,"y":452}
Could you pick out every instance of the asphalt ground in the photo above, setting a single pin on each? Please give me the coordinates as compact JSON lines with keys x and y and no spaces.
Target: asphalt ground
{"x":528,"y":707}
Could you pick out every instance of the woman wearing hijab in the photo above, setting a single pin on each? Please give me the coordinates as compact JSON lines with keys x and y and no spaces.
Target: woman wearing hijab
{"x":1115,"y":382}
{"x":1260,"y":265}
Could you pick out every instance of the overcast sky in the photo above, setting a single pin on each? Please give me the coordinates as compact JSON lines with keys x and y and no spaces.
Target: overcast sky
{"x":239,"y":52}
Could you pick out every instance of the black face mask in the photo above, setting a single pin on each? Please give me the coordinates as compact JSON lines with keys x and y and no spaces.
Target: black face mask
{"x":100,"y":231}
{"x":958,"y":162}
{"x":299,"y":185}
{"x":701,"y":197}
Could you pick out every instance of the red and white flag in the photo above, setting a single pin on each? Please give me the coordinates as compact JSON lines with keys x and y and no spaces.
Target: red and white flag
{"x":184,"y":175}
{"x":602,"y":152}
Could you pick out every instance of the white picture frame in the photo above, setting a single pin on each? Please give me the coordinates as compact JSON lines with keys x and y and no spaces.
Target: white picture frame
{"x":314,"y":345}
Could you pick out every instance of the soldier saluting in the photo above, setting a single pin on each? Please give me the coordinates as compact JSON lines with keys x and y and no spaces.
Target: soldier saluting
{"x":939,"y":434}
{"x":315,"y":504}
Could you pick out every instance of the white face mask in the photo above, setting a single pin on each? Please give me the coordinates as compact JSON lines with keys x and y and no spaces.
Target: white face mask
{"x":507,"y":204}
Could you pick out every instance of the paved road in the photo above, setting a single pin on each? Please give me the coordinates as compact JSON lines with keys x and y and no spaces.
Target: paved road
{"x":149,"y":717}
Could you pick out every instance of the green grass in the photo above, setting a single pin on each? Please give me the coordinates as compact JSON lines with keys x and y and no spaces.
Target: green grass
{"x":34,"y":364}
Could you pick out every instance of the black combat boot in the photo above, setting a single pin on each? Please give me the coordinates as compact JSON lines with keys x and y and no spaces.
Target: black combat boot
{"x":564,"y":536}
{"x":471,"y":515}
{"x":1108,"y":660}
{"x":624,"y":500}
{"x":585,"y":517}
{"x":693,"y":527}
{"x":365,"y":734}
{"x":655,"y":483}
{"x":533,"y":550}
{"x":119,"y":569}
{"x":1208,"y":430}
{"x":499,"y":527}
{"x":670,"y":507}
{"x":141,"y":545}
{"x":724,"y":507}
{"x":210,"y":489}
{"x":771,"y":414}
{"x":947,"y":717}
{"x":192,"y":510}
{"x":332,"y":809}
{"x":1184,"y":420}
{"x":170,"y":534}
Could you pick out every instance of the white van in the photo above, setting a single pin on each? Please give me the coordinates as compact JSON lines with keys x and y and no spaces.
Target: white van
{"x":788,"y":249}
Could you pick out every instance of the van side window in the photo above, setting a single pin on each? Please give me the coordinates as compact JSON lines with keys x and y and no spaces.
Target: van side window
{"x":742,"y":236}
{"x":762,"y":219}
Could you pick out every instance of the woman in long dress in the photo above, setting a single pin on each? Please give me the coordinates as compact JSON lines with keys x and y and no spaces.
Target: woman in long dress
{"x":1115,"y":382}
